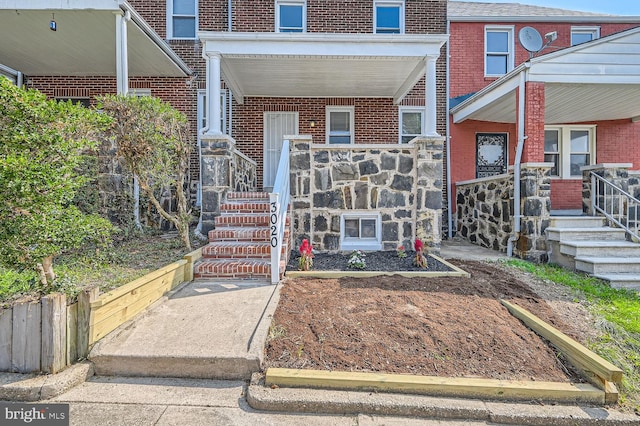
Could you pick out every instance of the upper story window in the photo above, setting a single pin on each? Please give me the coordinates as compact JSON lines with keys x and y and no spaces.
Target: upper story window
{"x":182,"y":18}
{"x":340,"y":125}
{"x":498,"y":48}
{"x":584,"y":34}
{"x":569,"y":148}
{"x":411,"y":123}
{"x":388,"y":16}
{"x":291,"y":16}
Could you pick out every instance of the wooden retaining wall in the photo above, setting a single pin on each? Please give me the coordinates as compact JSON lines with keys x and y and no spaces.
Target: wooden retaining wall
{"x":47,"y":335}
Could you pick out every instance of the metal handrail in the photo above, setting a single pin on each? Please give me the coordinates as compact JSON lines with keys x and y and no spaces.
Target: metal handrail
{"x":278,"y":206}
{"x":617,"y":205}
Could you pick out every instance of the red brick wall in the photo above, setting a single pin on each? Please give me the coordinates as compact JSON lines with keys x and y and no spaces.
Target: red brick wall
{"x":566,"y":194}
{"x":376,"y":121}
{"x":467,"y":49}
{"x":534,"y":123}
{"x":618,"y":142}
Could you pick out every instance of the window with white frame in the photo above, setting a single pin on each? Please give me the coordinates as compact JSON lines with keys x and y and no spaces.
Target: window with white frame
{"x":291,"y":16}
{"x":569,"y":148}
{"x":388,"y":16}
{"x":340,"y":125}
{"x":498,"y":48}
{"x":202,"y":110}
{"x":182,"y":19}
{"x":360,"y":231}
{"x":411,"y":123}
{"x":581,"y":35}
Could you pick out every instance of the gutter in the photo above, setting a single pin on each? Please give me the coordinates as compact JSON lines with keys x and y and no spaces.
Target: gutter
{"x":605,"y":19}
{"x":517,"y":215}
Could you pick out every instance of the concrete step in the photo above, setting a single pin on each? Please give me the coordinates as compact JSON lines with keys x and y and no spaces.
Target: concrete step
{"x":233,"y":268}
{"x":600,"y":248}
{"x":243,"y":220}
{"x":604,"y":265}
{"x":626,"y":281}
{"x":236,"y":250}
{"x":207,"y":330}
{"x":576,"y":222}
{"x":604,"y":233}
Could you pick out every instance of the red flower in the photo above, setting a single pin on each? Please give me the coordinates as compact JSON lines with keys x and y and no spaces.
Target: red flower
{"x":306,"y":248}
{"x":419,"y":245}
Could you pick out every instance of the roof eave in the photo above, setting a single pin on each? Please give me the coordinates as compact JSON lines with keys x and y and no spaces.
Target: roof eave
{"x":570,"y":19}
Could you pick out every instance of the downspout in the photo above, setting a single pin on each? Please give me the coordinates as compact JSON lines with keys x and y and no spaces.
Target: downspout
{"x":20,"y":79}
{"x":517,"y":161}
{"x":230,"y":97}
{"x":448,"y":141}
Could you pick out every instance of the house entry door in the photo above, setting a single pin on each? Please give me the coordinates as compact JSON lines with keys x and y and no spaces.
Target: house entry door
{"x":491,"y":154}
{"x":276,"y":125}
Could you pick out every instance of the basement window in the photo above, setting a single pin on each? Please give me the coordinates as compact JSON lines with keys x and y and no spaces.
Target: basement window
{"x":360,"y":231}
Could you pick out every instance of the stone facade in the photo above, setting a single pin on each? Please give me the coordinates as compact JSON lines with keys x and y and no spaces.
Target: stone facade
{"x":223,"y":169}
{"x":401,"y":182}
{"x":485,"y":211}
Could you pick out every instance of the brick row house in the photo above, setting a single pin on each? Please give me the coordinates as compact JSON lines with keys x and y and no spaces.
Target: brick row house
{"x":370,"y":106}
{"x":546,"y":117}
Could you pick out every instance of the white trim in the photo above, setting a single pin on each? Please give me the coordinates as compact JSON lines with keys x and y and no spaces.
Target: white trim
{"x":171,"y":15}
{"x":509,"y":29}
{"x":602,"y":19}
{"x":410,"y":109}
{"x":139,"y":92}
{"x":594,"y":31}
{"x":564,"y":148}
{"x":279,"y":3}
{"x":351,"y":110}
{"x":389,"y":3}
{"x":360,"y":243}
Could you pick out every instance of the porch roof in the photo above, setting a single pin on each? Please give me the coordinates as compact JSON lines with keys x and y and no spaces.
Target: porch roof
{"x":84,"y":43}
{"x":594,"y":81}
{"x":321,"y":65}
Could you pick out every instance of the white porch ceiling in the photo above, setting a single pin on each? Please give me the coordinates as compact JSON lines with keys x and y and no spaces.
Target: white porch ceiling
{"x":322,"y":65}
{"x":84,"y":43}
{"x":594,"y":81}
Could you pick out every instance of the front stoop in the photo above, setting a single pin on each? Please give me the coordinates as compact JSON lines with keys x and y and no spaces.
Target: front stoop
{"x":239,"y":247}
{"x":585,"y":244}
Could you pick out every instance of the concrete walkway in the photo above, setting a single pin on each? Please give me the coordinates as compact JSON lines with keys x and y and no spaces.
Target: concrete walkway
{"x":457,"y":248}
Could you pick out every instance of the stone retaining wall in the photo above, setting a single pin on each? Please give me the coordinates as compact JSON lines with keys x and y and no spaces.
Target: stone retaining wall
{"x":401,"y":182}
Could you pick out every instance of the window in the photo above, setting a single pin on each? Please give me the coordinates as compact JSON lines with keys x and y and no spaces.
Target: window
{"x":569,"y":148}
{"x":360,"y":231}
{"x":291,"y":16}
{"x":182,"y":18}
{"x":498,"y":49}
{"x":340,"y":125}
{"x":202,"y":110}
{"x":388,"y":17}
{"x":584,"y":34}
{"x":411,"y":124}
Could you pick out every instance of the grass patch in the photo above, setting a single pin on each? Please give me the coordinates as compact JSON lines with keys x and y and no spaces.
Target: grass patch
{"x":105,"y":268}
{"x":618,"y":319}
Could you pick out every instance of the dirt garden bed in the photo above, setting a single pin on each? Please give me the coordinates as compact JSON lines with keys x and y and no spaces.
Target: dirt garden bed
{"x":449,"y":327}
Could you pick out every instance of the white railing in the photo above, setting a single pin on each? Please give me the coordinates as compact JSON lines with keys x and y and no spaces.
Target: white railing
{"x":278,"y":206}
{"x":617,"y":205}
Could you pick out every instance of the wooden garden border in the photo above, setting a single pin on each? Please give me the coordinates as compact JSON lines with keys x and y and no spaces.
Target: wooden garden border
{"x":602,"y":374}
{"x":48,"y":335}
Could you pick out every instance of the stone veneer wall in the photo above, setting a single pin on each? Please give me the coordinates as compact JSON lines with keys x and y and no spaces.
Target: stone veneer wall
{"x":401,"y":182}
{"x":223,"y":169}
{"x":618,"y":174}
{"x":485,"y":211}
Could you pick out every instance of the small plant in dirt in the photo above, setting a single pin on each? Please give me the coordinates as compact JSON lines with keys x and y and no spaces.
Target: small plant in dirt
{"x":306,"y":256}
{"x":401,"y":252}
{"x":421,"y":259}
{"x":356,"y":260}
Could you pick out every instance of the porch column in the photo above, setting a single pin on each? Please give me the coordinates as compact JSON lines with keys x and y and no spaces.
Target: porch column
{"x":430,"y":101}
{"x":122,"y":53}
{"x":534,"y":123}
{"x":213,"y":94}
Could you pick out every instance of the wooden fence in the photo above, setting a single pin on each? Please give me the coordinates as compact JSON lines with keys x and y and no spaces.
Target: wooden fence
{"x":47,"y":335}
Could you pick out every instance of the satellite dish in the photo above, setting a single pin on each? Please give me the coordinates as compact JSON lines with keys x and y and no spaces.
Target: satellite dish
{"x":530,"y":39}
